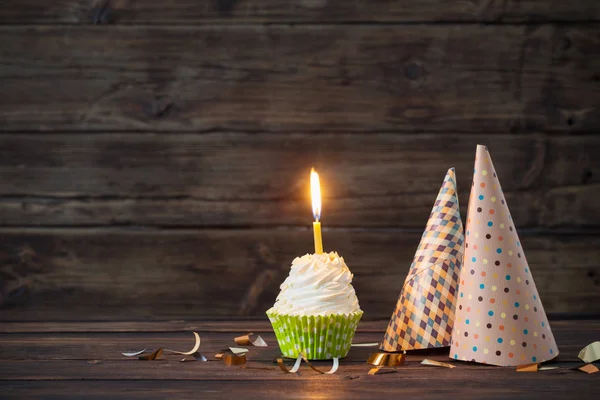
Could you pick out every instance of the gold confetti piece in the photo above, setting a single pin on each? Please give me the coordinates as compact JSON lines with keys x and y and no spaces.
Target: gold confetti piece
{"x":233,"y":359}
{"x":194,"y":357}
{"x":590,"y":353}
{"x":292,"y":370}
{"x":238,"y":350}
{"x":192,"y":354}
{"x":546,"y":368}
{"x":589,"y":368}
{"x":302,"y":357}
{"x":528,"y":367}
{"x":246,"y":340}
{"x":334,"y":367}
{"x":374,"y":370}
{"x":386,"y":359}
{"x":380,"y":371}
{"x":133,"y":353}
{"x":192,"y":351}
{"x":152,"y":356}
{"x":434,"y":363}
{"x":364,"y":344}
{"x":219,"y":356}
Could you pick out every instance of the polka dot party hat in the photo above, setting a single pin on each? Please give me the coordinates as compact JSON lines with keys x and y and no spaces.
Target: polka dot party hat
{"x":424,"y":315}
{"x":500,"y":319}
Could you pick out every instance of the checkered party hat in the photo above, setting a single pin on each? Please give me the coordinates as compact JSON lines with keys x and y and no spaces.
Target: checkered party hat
{"x":500,"y":319}
{"x":424,"y":315}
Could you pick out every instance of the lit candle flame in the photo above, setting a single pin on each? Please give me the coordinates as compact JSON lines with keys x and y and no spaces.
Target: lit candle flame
{"x":315,"y":192}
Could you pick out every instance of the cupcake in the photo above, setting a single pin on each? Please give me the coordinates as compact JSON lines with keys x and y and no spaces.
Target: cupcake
{"x":317,"y":311}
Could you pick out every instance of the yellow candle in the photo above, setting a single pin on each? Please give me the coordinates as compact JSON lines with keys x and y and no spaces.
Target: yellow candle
{"x":318,"y":239}
{"x":315,"y":191}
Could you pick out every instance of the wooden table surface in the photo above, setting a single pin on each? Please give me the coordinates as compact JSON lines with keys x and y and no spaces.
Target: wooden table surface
{"x":72,"y":360}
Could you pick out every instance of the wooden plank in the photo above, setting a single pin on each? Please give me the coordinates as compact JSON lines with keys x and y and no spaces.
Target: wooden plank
{"x":346,"y":78}
{"x":491,"y":384}
{"x":132,"y":370}
{"x":87,"y":274}
{"x":571,"y":337}
{"x":72,"y":365}
{"x":260,"y":11}
{"x":241,"y":180}
{"x":225,"y":325}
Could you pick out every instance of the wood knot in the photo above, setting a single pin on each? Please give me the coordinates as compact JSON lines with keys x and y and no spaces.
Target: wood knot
{"x":159,"y":107}
{"x":537,"y":165}
{"x":560,"y":49}
{"x":413,"y":71}
{"x":102,"y":14}
{"x":586,"y":176}
{"x":256,"y":290}
{"x":266,"y":256}
{"x":225,"y":7}
{"x":563,"y":44}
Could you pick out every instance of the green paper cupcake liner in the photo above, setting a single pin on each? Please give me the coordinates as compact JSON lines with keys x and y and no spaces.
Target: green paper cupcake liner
{"x":319,"y":337}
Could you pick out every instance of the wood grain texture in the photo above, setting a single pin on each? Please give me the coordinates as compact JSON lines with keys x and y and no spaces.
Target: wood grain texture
{"x":306,"y":78}
{"x":107,"y":346}
{"x":73,"y":365}
{"x":260,"y":11}
{"x":215,"y":324}
{"x":231,"y":326}
{"x":245,"y":180}
{"x":173,"y":370}
{"x":112,"y":273}
{"x":489,"y":386}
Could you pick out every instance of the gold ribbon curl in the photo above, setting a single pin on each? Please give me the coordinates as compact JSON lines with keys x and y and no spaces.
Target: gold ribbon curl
{"x":302,"y":357}
{"x":381,"y":360}
{"x":249,"y":339}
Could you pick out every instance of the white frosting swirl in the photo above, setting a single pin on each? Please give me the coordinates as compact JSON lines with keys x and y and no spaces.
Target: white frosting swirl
{"x":318,"y":284}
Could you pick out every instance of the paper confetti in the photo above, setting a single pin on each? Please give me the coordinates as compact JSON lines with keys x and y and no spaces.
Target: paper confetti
{"x":230,"y":358}
{"x":190,"y":355}
{"x":434,"y":363}
{"x":152,"y":356}
{"x":382,"y":359}
{"x":546,"y":368}
{"x":302,"y":357}
{"x":247,"y":340}
{"x":238,"y":350}
{"x":381,"y":370}
{"x":234,"y":359}
{"x":197,"y":356}
{"x":590,"y":353}
{"x":589,"y":368}
{"x":386,"y":359}
{"x":190,"y":352}
{"x":294,"y":368}
{"x":133,"y":353}
{"x":528,"y":367}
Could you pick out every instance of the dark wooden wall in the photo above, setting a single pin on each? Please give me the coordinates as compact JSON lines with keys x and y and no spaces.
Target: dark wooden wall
{"x":154,"y":154}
